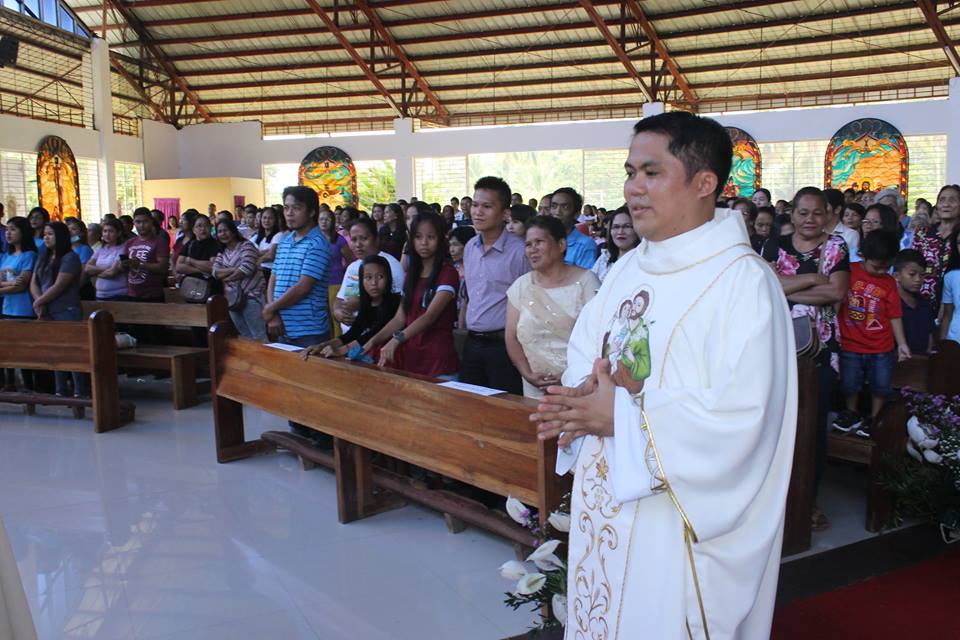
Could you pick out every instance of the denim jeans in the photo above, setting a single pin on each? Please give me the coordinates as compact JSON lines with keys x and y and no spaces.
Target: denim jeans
{"x":249,"y":320}
{"x":305,"y":341}
{"x":81,"y":381}
{"x":875,"y":368}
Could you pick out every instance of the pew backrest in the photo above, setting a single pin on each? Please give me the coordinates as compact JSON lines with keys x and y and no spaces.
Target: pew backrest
{"x":166,"y":314}
{"x":88,"y":346}
{"x":487,"y":442}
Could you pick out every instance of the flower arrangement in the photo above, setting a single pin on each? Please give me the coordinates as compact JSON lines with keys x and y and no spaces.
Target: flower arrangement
{"x":930,"y":489}
{"x":544,"y":584}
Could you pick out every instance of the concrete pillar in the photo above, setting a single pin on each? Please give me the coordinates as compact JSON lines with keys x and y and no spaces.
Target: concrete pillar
{"x":652,"y":109}
{"x":103,"y":123}
{"x":403,"y":128}
{"x":953,"y":133}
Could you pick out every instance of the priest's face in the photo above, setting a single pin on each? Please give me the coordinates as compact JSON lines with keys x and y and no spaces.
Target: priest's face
{"x":663,"y":200}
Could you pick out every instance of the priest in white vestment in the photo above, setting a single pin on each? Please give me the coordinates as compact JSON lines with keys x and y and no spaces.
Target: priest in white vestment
{"x":678,"y":411}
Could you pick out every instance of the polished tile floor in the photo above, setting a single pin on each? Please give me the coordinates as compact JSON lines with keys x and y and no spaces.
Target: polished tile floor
{"x":140,"y":534}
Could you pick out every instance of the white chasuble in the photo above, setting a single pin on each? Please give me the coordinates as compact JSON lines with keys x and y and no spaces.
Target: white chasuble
{"x":677,"y":519}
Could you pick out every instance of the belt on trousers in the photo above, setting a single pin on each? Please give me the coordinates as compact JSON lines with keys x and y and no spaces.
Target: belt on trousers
{"x":486,"y":335}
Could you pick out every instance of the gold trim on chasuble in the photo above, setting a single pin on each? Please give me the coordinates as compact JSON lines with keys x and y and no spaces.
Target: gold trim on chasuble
{"x":593,"y":593}
{"x":652,"y":455}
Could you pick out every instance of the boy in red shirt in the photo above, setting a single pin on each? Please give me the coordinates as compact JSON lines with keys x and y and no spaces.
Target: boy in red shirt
{"x":871,"y":331}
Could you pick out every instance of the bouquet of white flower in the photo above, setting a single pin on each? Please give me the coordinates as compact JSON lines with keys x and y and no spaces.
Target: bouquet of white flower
{"x":544,"y":584}
{"x":927,"y":484}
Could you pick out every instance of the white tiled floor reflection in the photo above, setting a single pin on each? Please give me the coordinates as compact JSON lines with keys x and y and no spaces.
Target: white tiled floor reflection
{"x":140,"y":534}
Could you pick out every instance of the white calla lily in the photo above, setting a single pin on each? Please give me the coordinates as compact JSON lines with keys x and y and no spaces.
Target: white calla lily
{"x":559,"y":606}
{"x":517,"y":511}
{"x":915,"y":431}
{"x":929,"y":443}
{"x":932,"y":456}
{"x":559,"y":521}
{"x":544,"y":556}
{"x":912,"y":450}
{"x":531,"y":583}
{"x":513,"y":570}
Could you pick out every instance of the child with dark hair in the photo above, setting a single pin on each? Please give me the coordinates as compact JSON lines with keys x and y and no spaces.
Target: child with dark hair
{"x":871,"y":330}
{"x":919,"y":317}
{"x":517,"y":219}
{"x":419,"y":338}
{"x":378,"y":305}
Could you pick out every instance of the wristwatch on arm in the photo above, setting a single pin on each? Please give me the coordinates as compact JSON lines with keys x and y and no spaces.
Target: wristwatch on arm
{"x":399,"y":337}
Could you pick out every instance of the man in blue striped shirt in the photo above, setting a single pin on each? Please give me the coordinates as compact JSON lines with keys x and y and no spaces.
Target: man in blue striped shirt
{"x":296,"y":310}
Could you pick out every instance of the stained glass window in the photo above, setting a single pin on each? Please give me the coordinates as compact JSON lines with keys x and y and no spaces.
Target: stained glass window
{"x":746,"y":167}
{"x":331,"y":173}
{"x":867,"y":153}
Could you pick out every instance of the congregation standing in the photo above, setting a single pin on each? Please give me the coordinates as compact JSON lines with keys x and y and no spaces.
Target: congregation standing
{"x":395,"y":288}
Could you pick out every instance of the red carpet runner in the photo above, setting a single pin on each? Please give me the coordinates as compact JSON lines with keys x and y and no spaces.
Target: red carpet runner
{"x":922,"y":601}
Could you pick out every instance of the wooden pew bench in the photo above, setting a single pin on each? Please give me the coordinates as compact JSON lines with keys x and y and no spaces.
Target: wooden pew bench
{"x":87,"y":347}
{"x":486,"y":442}
{"x":888,"y":437}
{"x":180,"y":362}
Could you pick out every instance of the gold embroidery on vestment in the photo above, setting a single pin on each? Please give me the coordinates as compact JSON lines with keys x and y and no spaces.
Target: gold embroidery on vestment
{"x":658,"y":475}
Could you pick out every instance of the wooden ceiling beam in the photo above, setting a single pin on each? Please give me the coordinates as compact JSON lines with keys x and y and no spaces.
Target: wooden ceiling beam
{"x":348,"y":95}
{"x":540,"y":66}
{"x":521,"y":31}
{"x":458,"y":118}
{"x":618,"y":51}
{"x":160,"y":57}
{"x":355,"y":55}
{"x":126,"y":75}
{"x":400,"y":55}
{"x":446,"y":88}
{"x":929,"y":11}
{"x":661,"y":49}
{"x":580,"y":45}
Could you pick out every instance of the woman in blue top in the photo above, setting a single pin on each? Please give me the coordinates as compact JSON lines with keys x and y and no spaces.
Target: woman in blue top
{"x":55,"y":288}
{"x":16,"y":269}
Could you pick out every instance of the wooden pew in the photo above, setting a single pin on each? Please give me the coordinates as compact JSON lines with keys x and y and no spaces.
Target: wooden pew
{"x":888,"y":437}
{"x":180,"y":361}
{"x":796,"y":530}
{"x":486,"y":442}
{"x":88,"y":347}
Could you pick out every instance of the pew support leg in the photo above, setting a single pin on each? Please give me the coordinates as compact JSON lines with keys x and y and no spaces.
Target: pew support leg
{"x":356,"y":498}
{"x":183,"y":375}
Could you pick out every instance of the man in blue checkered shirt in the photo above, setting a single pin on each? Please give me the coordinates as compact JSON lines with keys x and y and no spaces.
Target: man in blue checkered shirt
{"x":296,"y":312}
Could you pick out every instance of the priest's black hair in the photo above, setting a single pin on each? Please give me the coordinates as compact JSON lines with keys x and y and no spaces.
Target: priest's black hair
{"x":701,"y":144}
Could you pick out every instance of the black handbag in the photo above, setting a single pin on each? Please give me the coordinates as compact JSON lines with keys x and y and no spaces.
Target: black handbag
{"x":196,"y":289}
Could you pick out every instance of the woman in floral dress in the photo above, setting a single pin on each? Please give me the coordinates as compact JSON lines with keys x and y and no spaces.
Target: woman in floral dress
{"x":814,"y":270}
{"x":933,"y":242}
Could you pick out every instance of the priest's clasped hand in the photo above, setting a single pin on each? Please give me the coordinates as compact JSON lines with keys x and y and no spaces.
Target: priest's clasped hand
{"x":578,"y":411}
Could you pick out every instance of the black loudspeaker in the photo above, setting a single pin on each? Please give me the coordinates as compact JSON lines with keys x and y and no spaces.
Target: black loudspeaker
{"x":9,"y":46}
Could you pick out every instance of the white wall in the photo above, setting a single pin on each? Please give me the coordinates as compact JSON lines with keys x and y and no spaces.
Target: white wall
{"x":236,"y":149}
{"x":161,"y":159}
{"x":24,"y":134}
